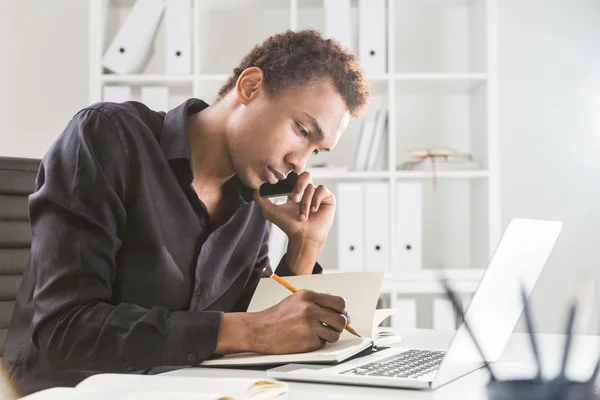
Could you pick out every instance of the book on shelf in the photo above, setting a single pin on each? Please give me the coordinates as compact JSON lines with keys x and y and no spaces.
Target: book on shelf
{"x":370,"y":141}
{"x":439,"y":159}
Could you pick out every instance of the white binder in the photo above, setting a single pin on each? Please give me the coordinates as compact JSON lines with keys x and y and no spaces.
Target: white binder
{"x":406,"y":316}
{"x":155,"y":97}
{"x":116,"y":94}
{"x":178,"y":37}
{"x":409,"y":225}
{"x":372,"y":23}
{"x":337,"y":21}
{"x":378,"y":135}
{"x":443,"y":315}
{"x":350,"y":224}
{"x":132,"y":47}
{"x":377,"y":226}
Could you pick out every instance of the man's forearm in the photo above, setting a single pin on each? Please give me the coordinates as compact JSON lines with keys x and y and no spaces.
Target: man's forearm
{"x":302,"y":255}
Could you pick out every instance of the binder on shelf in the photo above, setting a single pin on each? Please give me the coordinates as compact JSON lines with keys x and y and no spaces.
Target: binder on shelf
{"x":409,"y":225}
{"x":372,"y":39}
{"x":406,"y":316}
{"x":364,"y":144}
{"x":378,"y":135}
{"x":337,"y":21}
{"x":377,"y":226}
{"x":155,"y":97}
{"x":116,"y":94}
{"x":443,"y":315}
{"x":133,"y":45}
{"x":350,"y":224}
{"x":178,"y":37}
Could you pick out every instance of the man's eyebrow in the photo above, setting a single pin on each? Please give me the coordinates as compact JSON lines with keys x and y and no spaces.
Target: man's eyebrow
{"x":315,"y":125}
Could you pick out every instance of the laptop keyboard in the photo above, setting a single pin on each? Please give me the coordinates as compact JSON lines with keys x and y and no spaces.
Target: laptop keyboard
{"x":409,"y":364}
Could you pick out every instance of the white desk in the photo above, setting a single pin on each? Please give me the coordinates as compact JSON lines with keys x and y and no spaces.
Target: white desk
{"x":515,"y":361}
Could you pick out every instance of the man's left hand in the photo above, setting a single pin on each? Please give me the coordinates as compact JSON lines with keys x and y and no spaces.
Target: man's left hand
{"x":306,"y":216}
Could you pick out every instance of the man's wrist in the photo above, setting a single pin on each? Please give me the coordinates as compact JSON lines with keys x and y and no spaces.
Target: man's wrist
{"x":235,"y":334}
{"x":302,"y":255}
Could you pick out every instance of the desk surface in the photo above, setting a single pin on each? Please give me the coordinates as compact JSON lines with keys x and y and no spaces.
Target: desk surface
{"x":516,"y":360}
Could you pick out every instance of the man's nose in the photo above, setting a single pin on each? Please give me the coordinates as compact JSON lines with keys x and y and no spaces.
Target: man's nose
{"x":298,"y":162}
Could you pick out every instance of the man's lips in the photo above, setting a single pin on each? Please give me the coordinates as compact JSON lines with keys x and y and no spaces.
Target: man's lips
{"x":277,"y":174}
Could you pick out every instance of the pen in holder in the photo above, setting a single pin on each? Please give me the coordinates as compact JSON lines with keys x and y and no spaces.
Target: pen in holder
{"x":538,"y":388}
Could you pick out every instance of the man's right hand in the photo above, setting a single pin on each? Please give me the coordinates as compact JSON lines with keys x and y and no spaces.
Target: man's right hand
{"x":302,"y":322}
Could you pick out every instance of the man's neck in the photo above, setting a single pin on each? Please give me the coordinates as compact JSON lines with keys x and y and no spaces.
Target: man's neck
{"x":210,"y":154}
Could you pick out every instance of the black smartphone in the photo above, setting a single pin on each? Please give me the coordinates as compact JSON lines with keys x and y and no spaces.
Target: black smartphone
{"x":282,"y":188}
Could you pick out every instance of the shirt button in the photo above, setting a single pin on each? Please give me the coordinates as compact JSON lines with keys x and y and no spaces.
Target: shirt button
{"x":131,"y":367}
{"x":198,"y":291}
{"x":191,"y":357}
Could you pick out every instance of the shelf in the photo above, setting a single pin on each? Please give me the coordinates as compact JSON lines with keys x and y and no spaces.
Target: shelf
{"x":439,"y":83}
{"x":378,"y":77}
{"x":141,"y":78}
{"x":427,"y":280}
{"x":432,"y":3}
{"x":473,"y":174}
{"x":336,"y":174}
{"x":212,"y":77}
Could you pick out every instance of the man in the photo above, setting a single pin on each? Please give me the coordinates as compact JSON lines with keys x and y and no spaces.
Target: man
{"x":149,"y":237}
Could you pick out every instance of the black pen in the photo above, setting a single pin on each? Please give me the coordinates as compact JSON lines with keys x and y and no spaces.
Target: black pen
{"x":529,"y":322}
{"x":452,"y":296}
{"x":569,"y":333}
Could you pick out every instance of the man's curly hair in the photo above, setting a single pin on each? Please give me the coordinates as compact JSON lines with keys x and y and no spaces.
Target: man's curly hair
{"x":295,"y":58}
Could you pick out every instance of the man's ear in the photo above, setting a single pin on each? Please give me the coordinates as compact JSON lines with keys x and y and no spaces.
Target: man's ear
{"x":248,"y":84}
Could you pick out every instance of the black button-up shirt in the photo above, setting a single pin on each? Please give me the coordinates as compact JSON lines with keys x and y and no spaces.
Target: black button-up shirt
{"x":127,"y":272}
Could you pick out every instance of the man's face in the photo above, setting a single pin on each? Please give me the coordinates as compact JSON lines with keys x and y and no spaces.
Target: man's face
{"x":271,"y":136}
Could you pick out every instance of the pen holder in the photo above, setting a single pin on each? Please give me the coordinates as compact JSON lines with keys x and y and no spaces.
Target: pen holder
{"x":534,"y":389}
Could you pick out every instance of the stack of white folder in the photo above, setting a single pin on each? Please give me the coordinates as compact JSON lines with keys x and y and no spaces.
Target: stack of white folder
{"x":372,"y":22}
{"x":134,"y":44}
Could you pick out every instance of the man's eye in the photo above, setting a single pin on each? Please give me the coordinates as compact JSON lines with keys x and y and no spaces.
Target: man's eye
{"x":316,"y":152}
{"x":302,"y":131}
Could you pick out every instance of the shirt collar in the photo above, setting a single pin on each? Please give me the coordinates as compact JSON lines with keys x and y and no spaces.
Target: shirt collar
{"x":175,"y":143}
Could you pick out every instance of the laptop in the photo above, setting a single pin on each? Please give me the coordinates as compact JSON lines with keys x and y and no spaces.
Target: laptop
{"x":492,"y":315}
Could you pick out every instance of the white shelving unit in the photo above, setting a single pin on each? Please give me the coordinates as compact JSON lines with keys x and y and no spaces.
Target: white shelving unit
{"x":440,"y":88}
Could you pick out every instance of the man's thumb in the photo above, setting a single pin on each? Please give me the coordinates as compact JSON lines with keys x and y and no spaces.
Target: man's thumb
{"x":265,"y":204}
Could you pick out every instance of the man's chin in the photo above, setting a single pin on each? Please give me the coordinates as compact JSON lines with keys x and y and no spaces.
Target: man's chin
{"x":253,"y":182}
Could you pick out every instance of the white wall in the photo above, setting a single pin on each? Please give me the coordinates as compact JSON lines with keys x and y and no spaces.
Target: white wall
{"x":549,"y":96}
{"x":43,"y":72}
{"x":549,"y":54}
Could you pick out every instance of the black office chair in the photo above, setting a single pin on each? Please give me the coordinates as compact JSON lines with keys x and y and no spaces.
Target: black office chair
{"x":17,"y":176}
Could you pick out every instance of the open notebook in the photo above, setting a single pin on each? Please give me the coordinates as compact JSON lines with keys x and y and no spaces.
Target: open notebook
{"x":157,"y":387}
{"x":359,"y":289}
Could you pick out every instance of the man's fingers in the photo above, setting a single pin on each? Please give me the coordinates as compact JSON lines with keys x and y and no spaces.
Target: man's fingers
{"x":309,"y":193}
{"x":320,"y":194}
{"x":304,"y":179}
{"x":327,"y":334}
{"x":335,"y":321}
{"x":335,"y":303}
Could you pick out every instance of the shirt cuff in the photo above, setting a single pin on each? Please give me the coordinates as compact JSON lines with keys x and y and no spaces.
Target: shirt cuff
{"x":192,"y":337}
{"x":283,"y":269}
